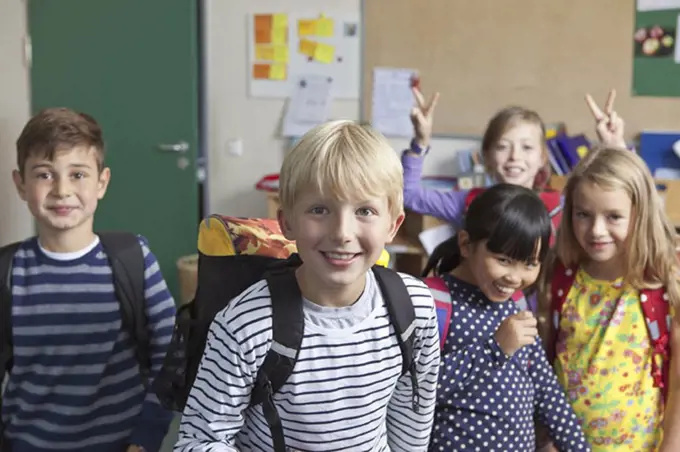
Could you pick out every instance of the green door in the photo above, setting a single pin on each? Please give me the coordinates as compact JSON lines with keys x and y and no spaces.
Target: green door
{"x":133,"y":65}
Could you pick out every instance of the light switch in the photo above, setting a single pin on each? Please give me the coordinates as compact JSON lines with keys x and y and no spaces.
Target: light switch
{"x":235,"y":147}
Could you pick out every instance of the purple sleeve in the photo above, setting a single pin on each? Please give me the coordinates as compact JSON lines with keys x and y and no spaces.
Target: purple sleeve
{"x":446,"y":205}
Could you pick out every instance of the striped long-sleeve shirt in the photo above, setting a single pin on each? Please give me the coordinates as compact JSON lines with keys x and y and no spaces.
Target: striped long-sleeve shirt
{"x":75,"y":384}
{"x":346,"y":391}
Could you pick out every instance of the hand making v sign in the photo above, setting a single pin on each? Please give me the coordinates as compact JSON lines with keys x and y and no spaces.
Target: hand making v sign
{"x":422,"y":117}
{"x":608,"y":124}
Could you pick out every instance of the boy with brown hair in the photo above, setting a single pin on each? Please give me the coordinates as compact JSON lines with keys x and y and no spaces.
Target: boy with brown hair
{"x":87,"y":317}
{"x":341,"y":194}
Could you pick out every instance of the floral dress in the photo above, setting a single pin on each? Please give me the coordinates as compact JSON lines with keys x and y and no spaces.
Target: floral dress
{"x":603,"y":361}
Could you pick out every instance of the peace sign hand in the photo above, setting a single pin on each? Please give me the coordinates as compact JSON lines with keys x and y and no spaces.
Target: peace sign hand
{"x":422,"y":117}
{"x":608,"y":124}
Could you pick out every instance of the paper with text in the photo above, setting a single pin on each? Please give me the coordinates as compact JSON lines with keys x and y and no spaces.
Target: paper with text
{"x":392,"y":101}
{"x":308,"y":106}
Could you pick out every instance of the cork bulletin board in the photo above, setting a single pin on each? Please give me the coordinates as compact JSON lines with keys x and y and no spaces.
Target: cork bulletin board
{"x":483,"y":55}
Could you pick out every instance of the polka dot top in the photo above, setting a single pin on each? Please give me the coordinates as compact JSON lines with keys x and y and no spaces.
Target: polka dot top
{"x":487,"y":401}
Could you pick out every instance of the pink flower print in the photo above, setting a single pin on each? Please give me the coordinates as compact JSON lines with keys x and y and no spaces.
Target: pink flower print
{"x":597,"y":423}
{"x":619,"y":314}
{"x":574,"y":378}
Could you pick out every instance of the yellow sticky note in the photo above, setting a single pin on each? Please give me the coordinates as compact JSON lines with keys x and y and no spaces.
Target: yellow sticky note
{"x":280,"y":35}
{"x":264,"y":52}
{"x":307,"y":47}
{"x":306,"y":27}
{"x":582,"y":151}
{"x":280,"y":54}
{"x":280,"y":21}
{"x":324,"y":53}
{"x":277,"y":72}
{"x":324,"y":27}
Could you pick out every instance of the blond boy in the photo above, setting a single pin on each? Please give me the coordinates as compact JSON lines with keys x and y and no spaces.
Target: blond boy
{"x":75,"y":384}
{"x":341,"y":194}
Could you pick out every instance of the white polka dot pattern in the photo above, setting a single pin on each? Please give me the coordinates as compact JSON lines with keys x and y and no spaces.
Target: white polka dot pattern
{"x":487,"y":401}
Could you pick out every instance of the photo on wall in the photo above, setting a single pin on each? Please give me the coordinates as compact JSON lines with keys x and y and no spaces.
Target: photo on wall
{"x":655,"y":41}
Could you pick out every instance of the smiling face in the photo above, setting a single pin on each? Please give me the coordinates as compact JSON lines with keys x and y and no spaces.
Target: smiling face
{"x":63,"y":193}
{"x":601,"y":219}
{"x":496,"y":275}
{"x":338,"y":241}
{"x":518,"y":156}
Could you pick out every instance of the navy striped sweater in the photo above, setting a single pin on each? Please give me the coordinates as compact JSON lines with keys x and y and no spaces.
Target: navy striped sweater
{"x":75,"y":384}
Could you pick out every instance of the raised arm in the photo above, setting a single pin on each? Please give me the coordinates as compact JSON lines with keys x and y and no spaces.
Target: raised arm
{"x":449,"y":206}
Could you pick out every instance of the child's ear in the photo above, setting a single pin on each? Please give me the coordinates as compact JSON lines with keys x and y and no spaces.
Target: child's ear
{"x":104,"y":178}
{"x":394,"y":228}
{"x":284,"y":224}
{"x":464,"y":243}
{"x":19,"y":184}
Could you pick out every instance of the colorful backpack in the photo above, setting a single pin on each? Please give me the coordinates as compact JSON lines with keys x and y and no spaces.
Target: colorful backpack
{"x":655,"y":308}
{"x":234,"y":253}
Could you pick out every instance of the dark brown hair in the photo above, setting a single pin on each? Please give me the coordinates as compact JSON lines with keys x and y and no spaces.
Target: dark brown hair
{"x":505,"y":120}
{"x":56,"y":129}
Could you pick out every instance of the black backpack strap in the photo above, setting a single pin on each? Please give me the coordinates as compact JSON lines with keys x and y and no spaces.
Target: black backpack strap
{"x":403,"y":317}
{"x":7,"y":253}
{"x":287,"y":334}
{"x":127,"y":264}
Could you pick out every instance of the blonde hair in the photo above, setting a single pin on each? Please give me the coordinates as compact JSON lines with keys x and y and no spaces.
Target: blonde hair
{"x":509,"y":118}
{"x":651,"y":258}
{"x":345,"y":160}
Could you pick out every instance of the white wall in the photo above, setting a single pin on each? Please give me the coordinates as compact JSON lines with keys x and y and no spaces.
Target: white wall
{"x":15,"y":221}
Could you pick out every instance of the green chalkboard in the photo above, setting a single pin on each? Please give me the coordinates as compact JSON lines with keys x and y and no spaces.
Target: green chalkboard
{"x":655,"y":72}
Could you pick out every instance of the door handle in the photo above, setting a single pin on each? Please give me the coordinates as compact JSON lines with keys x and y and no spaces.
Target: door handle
{"x":181,"y":147}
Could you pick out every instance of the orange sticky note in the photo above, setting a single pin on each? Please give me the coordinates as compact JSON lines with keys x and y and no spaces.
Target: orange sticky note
{"x":261,"y":71}
{"x":263,"y":21}
{"x":264,"y":52}
{"x":280,"y":54}
{"x":263,"y":36}
{"x":324,"y":53}
{"x":307,"y":47}
{"x":280,"y":21}
{"x":280,"y":35}
{"x":306,"y":27}
{"x":277,"y":71}
{"x":324,"y":27}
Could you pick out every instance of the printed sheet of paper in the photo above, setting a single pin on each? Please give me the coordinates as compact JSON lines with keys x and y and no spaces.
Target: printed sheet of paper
{"x":654,"y":5}
{"x":392,"y":101}
{"x":309,"y":105}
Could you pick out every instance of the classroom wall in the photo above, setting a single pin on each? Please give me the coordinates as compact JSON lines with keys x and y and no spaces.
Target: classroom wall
{"x":15,"y":221}
{"x":233,"y":115}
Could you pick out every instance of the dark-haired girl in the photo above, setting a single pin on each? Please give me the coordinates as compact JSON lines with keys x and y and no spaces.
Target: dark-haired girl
{"x":495,"y":377}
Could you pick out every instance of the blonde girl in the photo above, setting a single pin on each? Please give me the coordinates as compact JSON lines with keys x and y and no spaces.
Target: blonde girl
{"x":606,"y":301}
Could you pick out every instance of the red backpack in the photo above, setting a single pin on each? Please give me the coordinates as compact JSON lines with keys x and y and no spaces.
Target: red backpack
{"x":551,"y":198}
{"x":442,"y":301}
{"x":655,"y":309}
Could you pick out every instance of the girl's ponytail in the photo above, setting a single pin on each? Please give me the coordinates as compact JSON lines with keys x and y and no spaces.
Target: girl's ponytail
{"x":445,"y":257}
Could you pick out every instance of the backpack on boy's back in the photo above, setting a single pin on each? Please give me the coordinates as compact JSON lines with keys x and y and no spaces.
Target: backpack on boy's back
{"x":126,"y":258}
{"x":235,"y":253}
